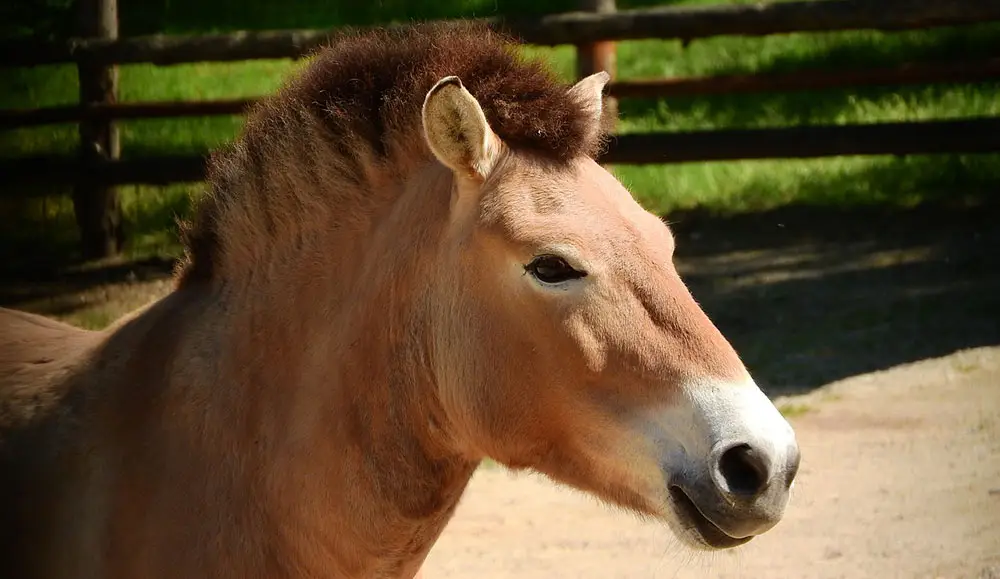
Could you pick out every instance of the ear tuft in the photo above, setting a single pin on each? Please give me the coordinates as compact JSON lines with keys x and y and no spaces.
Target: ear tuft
{"x":456,"y":129}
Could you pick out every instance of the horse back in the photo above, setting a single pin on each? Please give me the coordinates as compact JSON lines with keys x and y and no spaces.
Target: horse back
{"x":36,"y":354}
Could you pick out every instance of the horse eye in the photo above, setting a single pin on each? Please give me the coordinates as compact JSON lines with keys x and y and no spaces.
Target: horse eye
{"x":552,"y":269}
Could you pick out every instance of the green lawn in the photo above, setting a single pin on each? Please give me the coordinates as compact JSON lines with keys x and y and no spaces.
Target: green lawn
{"x":729,"y":186}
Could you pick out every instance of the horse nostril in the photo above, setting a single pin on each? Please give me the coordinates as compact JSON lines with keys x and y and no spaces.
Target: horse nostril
{"x":744,"y":470}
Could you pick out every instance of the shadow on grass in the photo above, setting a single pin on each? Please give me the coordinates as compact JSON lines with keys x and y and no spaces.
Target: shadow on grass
{"x":40,"y":239}
{"x":40,"y":265}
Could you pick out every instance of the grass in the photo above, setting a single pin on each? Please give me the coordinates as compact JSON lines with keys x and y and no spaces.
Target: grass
{"x":792,"y":410}
{"x":722,"y":187}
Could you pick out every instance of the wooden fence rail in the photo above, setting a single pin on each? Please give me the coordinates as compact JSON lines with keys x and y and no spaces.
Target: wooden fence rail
{"x":15,"y":118}
{"x":972,"y":135}
{"x":685,"y":23}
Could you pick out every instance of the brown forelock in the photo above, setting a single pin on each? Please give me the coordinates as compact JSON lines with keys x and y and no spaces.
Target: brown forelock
{"x":364,"y":92}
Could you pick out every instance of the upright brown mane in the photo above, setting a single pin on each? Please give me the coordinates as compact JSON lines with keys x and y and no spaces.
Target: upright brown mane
{"x":373,"y":84}
{"x":355,"y":110}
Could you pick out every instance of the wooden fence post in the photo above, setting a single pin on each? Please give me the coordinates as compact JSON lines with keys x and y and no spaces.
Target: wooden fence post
{"x":98,"y":211}
{"x":597,"y":56}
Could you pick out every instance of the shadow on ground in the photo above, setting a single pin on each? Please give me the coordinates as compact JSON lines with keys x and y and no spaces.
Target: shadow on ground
{"x":107,"y":290}
{"x":811,"y":296}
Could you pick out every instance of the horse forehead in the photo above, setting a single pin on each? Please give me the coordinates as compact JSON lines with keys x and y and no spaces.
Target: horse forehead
{"x":633,"y":221}
{"x":579,"y":195}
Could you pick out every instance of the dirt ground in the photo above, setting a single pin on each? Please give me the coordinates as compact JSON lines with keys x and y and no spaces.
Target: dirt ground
{"x":878,"y":333}
{"x":900,"y":478}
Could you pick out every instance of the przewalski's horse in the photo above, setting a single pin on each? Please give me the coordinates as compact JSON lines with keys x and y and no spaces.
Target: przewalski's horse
{"x":408,"y":262}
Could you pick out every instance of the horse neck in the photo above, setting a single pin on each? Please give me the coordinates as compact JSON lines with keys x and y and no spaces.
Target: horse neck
{"x":330,"y":354}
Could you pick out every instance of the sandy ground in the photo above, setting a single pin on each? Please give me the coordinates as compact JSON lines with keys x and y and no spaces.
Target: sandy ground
{"x":900,"y":478}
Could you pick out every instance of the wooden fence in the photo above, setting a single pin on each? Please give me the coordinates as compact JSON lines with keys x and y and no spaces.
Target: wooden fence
{"x":593,"y":30}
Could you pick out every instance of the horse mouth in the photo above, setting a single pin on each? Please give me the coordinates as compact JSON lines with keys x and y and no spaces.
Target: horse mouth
{"x":692,"y":518}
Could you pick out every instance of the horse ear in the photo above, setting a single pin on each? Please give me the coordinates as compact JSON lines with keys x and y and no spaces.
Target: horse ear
{"x":457,"y":131}
{"x":589,"y":92}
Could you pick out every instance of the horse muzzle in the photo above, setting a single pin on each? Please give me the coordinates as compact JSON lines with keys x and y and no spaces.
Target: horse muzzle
{"x":742,"y":492}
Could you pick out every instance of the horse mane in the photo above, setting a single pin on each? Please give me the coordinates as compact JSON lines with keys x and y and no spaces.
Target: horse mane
{"x":357,"y":105}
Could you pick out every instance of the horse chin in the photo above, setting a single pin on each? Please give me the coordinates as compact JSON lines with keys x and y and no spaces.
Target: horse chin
{"x":695,"y":529}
